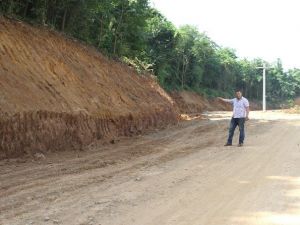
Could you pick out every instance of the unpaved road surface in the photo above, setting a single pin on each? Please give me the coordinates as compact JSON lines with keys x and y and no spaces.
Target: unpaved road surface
{"x":179,"y":176}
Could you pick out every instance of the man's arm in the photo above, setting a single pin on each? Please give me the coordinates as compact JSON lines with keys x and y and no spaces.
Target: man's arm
{"x":225,"y":100}
{"x":247,"y":112}
{"x":246,"y":105}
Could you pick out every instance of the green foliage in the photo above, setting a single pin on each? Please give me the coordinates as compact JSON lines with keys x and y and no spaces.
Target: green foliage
{"x":181,"y":58}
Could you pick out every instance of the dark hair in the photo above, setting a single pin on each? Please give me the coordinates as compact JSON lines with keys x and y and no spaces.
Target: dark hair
{"x":238,"y":90}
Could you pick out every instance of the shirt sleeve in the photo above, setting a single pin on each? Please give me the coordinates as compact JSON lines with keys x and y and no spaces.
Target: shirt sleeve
{"x":229,"y":100}
{"x":246,"y":103}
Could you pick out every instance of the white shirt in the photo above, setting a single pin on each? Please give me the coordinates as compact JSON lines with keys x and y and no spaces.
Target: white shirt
{"x":239,"y":107}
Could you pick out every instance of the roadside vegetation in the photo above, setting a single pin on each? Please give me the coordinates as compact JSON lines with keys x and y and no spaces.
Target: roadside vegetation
{"x":182,"y":58}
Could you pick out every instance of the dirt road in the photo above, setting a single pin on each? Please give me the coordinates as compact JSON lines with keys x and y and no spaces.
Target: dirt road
{"x":179,"y":176}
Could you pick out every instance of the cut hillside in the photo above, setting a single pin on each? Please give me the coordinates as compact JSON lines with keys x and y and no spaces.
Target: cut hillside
{"x":190,"y":102}
{"x":58,"y":94}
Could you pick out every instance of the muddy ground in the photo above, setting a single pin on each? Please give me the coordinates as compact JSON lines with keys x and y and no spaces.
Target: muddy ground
{"x":181,"y":176}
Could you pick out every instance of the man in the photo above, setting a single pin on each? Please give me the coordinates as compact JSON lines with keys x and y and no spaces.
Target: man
{"x":239,"y":117}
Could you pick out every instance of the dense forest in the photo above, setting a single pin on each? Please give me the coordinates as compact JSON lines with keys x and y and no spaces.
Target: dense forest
{"x":138,"y":34}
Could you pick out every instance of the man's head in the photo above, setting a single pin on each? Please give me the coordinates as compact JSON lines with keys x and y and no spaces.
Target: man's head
{"x":238,"y":94}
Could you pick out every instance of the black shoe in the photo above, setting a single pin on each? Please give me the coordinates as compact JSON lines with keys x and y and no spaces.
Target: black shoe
{"x":240,"y":145}
{"x":228,"y":144}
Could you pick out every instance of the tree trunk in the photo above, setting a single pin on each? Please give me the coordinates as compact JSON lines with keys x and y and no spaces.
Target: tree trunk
{"x":178,"y":70}
{"x":117,"y":30}
{"x":26,"y":9}
{"x":10,"y":7}
{"x":223,"y":88}
{"x":100,"y":32}
{"x":182,"y":73}
{"x":64,"y":20}
{"x":115,"y":44}
{"x":43,"y":15}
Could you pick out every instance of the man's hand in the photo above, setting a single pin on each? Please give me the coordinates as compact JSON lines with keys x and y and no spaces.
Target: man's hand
{"x":222,"y":99}
{"x":247,"y":113}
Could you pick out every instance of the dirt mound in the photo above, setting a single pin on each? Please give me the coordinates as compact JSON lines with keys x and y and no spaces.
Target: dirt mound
{"x":190,"y":102}
{"x":57,"y":94}
{"x":297,"y":101}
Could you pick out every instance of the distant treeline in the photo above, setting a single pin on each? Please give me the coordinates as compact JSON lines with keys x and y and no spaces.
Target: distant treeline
{"x":181,"y":58}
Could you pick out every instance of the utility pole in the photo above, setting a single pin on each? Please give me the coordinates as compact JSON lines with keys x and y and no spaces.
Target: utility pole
{"x":264,"y":85}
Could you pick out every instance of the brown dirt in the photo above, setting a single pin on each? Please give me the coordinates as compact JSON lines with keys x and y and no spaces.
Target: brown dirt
{"x":57,"y":94}
{"x":182,"y":175}
{"x":297,"y":101}
{"x":190,"y":102}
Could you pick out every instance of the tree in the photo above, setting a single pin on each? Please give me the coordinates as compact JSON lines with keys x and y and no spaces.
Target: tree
{"x":181,"y":58}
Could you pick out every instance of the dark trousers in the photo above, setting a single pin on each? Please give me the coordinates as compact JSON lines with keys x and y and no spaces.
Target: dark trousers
{"x":233,"y":124}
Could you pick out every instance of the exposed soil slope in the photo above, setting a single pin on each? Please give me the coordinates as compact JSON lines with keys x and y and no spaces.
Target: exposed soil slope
{"x":57,"y":94}
{"x":189,"y":102}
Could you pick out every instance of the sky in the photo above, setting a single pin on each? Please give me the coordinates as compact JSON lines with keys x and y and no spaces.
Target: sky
{"x":267,"y":29}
